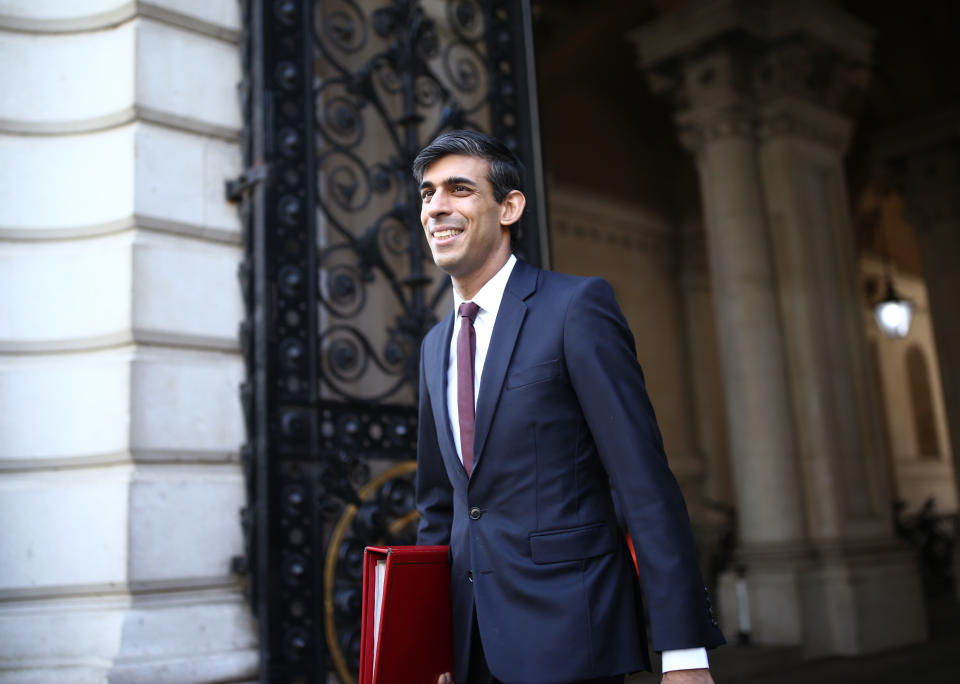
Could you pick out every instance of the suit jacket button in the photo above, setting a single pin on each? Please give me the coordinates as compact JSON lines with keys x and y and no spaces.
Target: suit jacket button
{"x":469,"y":575}
{"x":474,"y":513}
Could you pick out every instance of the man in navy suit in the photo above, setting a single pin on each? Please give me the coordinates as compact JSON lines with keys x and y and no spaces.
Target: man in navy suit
{"x":517,"y":455}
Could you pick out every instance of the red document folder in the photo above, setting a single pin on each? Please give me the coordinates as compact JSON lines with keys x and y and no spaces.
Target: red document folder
{"x":413,"y":643}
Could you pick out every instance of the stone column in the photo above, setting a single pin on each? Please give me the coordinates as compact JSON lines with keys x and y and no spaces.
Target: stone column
{"x":760,"y":424}
{"x":922,"y":159}
{"x":803,"y":421}
{"x":751,"y":344}
{"x":803,"y":138}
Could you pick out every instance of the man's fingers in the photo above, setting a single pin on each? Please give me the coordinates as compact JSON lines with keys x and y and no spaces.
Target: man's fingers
{"x":445,"y":678}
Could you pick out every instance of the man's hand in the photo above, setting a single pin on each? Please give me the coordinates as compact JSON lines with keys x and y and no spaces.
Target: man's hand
{"x":701,"y":676}
{"x":445,"y":678}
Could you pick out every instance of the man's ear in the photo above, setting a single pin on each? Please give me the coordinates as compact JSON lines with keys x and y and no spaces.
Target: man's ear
{"x":511,"y":208}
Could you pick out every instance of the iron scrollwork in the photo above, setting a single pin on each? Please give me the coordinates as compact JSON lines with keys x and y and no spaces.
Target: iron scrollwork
{"x":383,"y":87}
{"x":338,"y":96}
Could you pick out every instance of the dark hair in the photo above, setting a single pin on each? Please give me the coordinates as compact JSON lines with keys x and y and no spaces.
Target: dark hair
{"x":506,"y":170}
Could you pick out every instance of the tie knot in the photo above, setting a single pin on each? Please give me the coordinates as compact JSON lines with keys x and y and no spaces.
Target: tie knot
{"x":469,"y":310}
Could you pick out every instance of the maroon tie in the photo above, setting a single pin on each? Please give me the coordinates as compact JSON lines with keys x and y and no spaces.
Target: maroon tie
{"x":466,"y":351}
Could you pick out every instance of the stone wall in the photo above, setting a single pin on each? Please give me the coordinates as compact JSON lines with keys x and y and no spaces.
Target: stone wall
{"x":119,"y":363}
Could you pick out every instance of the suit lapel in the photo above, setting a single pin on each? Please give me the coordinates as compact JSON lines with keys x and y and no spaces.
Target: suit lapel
{"x":438,"y":347}
{"x":506,"y":329}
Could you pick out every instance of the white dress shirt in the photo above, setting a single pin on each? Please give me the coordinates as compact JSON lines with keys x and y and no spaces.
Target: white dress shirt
{"x":488,"y":299}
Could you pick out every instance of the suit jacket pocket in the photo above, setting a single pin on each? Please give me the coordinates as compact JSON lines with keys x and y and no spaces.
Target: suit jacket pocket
{"x":574,"y":543}
{"x":538,"y":373}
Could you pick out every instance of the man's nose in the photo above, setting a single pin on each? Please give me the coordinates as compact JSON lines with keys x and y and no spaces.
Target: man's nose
{"x":439,"y":205}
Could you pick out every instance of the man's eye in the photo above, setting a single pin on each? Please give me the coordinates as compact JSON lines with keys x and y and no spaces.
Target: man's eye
{"x":426,"y":194}
{"x":460,"y":188}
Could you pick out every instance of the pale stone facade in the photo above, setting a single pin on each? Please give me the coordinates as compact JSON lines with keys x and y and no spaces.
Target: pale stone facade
{"x":119,"y":363}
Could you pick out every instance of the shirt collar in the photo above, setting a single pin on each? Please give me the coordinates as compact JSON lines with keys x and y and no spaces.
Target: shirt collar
{"x":489,"y":296}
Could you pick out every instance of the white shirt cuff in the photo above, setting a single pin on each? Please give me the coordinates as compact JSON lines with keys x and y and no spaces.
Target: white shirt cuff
{"x":685,"y":659}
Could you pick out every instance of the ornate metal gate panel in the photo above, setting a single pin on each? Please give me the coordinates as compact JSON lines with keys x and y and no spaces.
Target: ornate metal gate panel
{"x":339,"y":288}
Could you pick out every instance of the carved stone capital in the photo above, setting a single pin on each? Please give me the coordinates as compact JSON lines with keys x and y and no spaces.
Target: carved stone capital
{"x":697,"y":129}
{"x":688,"y":29}
{"x":727,"y":64}
{"x":788,"y":117}
{"x":804,"y":69}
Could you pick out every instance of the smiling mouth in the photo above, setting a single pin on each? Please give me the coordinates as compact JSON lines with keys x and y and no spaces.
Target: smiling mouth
{"x":448,"y":233}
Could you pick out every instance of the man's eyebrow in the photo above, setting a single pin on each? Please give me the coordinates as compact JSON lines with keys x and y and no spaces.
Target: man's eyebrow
{"x":453,"y":180}
{"x":459,"y":180}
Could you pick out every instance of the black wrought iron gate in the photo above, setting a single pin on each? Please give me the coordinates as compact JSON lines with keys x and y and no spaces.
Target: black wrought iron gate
{"x":338,"y":96}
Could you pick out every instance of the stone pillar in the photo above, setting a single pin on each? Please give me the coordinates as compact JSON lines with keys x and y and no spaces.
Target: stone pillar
{"x":751,"y":343}
{"x":760,"y":86}
{"x":760,"y":424}
{"x":922,"y":160}
{"x":119,"y":364}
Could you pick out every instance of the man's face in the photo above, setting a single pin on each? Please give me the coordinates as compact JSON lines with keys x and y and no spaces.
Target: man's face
{"x":460,"y":216}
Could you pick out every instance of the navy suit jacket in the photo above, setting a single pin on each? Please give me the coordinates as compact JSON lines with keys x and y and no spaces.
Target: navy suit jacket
{"x":536,"y":546}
